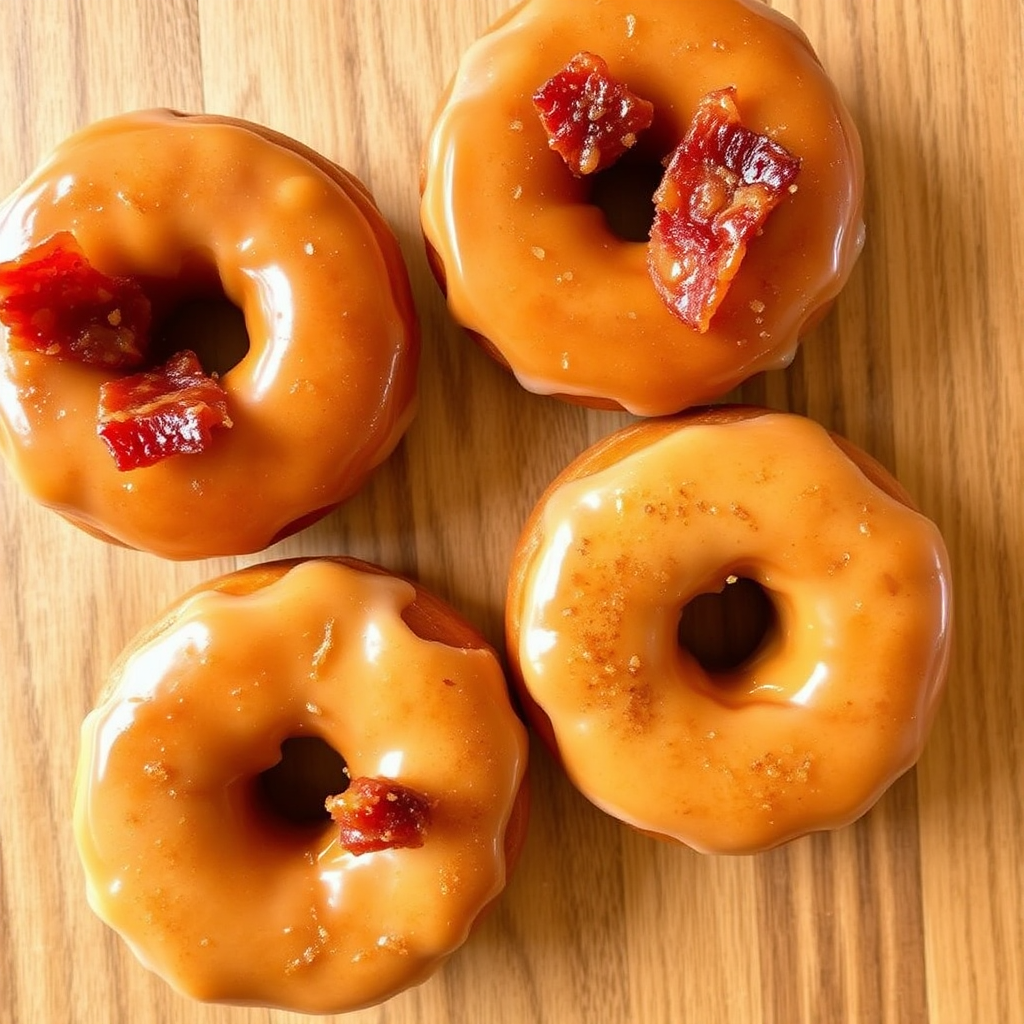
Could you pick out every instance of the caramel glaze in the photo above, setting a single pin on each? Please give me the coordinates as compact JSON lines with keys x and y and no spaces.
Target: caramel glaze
{"x":835,"y":704}
{"x":227,"y":903}
{"x":194,"y":204}
{"x":531,"y":267}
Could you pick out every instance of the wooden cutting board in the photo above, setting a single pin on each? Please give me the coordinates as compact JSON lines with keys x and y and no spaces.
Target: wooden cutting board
{"x":912,"y":915}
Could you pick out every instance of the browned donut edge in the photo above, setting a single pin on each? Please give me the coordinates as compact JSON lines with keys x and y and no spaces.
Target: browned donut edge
{"x":606,"y":453}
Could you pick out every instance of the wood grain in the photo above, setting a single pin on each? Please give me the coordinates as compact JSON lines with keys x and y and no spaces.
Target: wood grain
{"x":916,"y":913}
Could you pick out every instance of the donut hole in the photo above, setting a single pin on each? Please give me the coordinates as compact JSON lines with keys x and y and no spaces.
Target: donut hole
{"x":724,"y":631}
{"x":210,"y":325}
{"x":624,"y":193}
{"x":293,"y":791}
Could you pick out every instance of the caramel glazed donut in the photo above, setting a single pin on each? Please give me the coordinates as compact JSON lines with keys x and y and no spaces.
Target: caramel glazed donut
{"x":222,"y":897}
{"x":166,"y":207}
{"x":528,"y":260}
{"x":832,"y":707}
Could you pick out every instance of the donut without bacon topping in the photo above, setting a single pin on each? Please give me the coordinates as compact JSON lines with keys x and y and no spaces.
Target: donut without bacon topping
{"x":53,"y":301}
{"x":590,"y":118}
{"x":721,"y":183}
{"x":379,"y":814}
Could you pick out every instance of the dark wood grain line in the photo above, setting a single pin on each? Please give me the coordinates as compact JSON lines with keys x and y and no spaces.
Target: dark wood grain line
{"x":889,"y":893}
{"x":832,"y":987}
{"x":868,"y":322}
{"x":802,"y":981}
{"x":776,"y":912}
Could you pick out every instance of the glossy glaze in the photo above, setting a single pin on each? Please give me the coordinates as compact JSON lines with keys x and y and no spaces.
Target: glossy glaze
{"x":530,"y":265}
{"x":328,"y":385}
{"x":227,"y":903}
{"x":837,"y":702}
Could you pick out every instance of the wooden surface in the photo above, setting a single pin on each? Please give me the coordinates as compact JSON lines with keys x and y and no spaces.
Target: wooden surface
{"x":914,"y":914}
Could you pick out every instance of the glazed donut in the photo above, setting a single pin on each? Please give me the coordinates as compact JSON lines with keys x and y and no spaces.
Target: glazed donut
{"x":222,"y":896}
{"x":528,"y":260}
{"x":160,"y":208}
{"x":834,"y":704}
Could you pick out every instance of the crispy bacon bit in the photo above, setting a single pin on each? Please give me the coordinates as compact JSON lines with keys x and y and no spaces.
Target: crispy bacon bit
{"x":169,"y":410}
{"x":379,"y":814}
{"x":590,"y":118}
{"x":721,"y":183}
{"x":55,"y":302}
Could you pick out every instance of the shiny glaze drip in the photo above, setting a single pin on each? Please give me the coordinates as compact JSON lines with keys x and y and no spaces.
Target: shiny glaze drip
{"x":228,"y":905}
{"x":809,"y":732}
{"x":328,"y":385}
{"x":531,"y":267}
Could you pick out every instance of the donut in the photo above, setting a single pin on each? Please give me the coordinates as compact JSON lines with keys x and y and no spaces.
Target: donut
{"x":229,"y":896}
{"x":534,"y":239}
{"x":125,"y":225}
{"x":834,"y":703}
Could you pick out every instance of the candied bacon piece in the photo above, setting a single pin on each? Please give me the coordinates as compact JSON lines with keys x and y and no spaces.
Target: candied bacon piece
{"x":720,"y":184}
{"x":54,"y":301}
{"x":169,"y":410}
{"x":379,"y":814}
{"x":590,"y":118}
